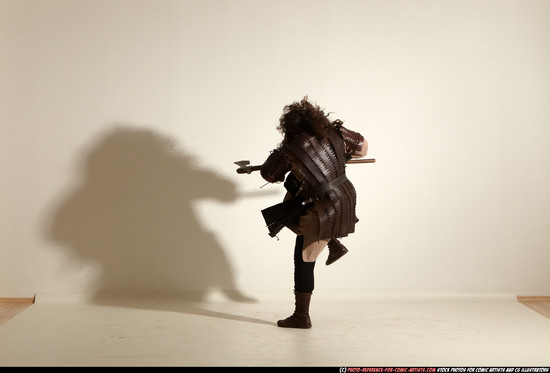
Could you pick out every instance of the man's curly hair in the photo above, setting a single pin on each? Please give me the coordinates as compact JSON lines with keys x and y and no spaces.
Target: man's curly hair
{"x":303,"y":116}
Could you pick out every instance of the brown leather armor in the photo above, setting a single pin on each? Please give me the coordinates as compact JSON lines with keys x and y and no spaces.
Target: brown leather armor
{"x":317,"y":178}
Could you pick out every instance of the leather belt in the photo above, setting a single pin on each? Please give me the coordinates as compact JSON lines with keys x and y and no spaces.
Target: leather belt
{"x":326,"y":187}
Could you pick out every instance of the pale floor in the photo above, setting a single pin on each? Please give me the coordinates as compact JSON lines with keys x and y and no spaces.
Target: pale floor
{"x":169,"y":332}
{"x":11,"y":309}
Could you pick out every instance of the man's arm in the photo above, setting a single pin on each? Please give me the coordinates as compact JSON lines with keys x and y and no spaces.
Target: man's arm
{"x":275,"y":167}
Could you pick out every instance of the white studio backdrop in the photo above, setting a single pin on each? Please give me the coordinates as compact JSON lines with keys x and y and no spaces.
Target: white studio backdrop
{"x":121,"y":120}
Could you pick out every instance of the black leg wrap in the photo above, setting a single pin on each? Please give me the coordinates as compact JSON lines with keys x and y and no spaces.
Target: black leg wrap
{"x":303,"y":271}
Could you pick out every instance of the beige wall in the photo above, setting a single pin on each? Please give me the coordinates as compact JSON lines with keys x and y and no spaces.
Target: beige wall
{"x":120,"y":122}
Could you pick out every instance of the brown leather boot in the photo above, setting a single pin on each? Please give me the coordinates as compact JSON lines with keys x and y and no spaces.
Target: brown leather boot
{"x":300,"y":317}
{"x":335,"y":251}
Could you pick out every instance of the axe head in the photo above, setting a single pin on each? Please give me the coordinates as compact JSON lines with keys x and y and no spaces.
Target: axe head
{"x":242,"y":163}
{"x":244,"y":167}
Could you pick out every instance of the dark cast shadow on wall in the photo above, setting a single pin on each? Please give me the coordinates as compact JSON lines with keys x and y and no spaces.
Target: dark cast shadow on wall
{"x":132,"y":215}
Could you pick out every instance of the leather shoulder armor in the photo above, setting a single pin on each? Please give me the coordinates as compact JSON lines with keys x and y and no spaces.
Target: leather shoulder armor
{"x":276,"y":166}
{"x":353,"y":140}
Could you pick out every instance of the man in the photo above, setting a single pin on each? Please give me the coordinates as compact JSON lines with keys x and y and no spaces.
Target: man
{"x":319,"y":206}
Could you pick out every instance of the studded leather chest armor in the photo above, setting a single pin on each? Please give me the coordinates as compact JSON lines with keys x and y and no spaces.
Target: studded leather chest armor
{"x":317,"y":176}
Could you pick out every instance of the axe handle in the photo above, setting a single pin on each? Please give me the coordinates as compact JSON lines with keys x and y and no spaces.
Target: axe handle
{"x":249,"y":169}
{"x":368,"y":160}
